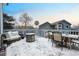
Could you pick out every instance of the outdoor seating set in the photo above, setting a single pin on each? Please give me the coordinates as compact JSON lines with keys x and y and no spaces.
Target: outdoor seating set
{"x":62,"y":40}
{"x":65,"y":40}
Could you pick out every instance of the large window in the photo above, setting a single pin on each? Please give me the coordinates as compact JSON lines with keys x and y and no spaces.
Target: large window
{"x":59,"y":26}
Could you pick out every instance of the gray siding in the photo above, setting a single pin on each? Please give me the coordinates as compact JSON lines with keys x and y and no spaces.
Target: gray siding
{"x":45,"y":26}
{"x":63,"y":25}
{"x":66,"y":26}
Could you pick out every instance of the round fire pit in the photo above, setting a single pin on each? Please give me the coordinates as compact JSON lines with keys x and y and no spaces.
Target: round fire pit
{"x":30,"y":37}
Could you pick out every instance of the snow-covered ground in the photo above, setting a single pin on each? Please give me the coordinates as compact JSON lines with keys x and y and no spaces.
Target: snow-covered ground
{"x":41,"y":47}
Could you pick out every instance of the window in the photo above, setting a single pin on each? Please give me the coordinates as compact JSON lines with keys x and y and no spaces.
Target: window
{"x":60,"y":26}
{"x":67,"y":26}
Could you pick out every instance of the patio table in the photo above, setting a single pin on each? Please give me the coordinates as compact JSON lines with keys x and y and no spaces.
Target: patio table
{"x":70,"y":37}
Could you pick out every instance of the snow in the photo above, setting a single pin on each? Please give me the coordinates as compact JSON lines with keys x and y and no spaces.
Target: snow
{"x":71,"y":36}
{"x":41,"y":47}
{"x":76,"y":41}
{"x":12,"y":35}
{"x":30,"y":33}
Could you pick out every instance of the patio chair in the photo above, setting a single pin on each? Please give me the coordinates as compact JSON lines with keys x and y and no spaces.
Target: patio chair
{"x":58,"y":39}
{"x":48,"y":35}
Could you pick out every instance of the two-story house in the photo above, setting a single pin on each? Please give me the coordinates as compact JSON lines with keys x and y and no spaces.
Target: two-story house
{"x":62,"y":24}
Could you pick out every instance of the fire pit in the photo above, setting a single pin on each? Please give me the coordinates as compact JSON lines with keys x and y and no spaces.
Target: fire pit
{"x":30,"y":37}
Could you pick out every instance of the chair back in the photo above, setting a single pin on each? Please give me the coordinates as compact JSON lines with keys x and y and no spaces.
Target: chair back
{"x":57,"y":37}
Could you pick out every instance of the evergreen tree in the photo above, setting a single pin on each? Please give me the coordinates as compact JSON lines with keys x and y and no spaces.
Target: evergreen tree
{"x":8,"y":21}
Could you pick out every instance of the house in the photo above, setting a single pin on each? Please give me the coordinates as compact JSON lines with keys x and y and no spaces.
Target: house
{"x":62,"y":24}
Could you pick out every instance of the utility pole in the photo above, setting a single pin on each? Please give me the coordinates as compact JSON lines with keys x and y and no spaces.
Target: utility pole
{"x":1,"y":22}
{"x":1,"y":18}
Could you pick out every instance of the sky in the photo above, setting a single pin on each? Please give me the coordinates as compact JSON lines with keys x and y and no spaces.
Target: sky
{"x":44,"y":12}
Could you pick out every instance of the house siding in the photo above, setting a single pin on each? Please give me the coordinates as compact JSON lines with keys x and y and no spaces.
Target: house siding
{"x":64,"y":26}
{"x":45,"y":26}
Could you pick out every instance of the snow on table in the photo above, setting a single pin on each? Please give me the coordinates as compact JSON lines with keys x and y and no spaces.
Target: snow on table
{"x":41,"y":47}
{"x":71,"y":36}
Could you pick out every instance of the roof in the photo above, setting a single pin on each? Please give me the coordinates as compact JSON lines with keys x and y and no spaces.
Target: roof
{"x":61,"y":22}
{"x":45,"y":23}
{"x":56,"y":22}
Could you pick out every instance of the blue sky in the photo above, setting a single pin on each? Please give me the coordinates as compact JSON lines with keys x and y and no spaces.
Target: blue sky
{"x":35,"y":9}
{"x":39,"y":10}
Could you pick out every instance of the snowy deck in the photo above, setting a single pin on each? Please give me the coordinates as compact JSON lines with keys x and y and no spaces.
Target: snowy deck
{"x":41,"y":47}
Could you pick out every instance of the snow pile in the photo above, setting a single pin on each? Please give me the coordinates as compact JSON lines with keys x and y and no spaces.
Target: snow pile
{"x":41,"y":47}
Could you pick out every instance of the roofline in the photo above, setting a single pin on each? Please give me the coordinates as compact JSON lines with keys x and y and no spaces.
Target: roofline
{"x":44,"y":23}
{"x":60,"y":21}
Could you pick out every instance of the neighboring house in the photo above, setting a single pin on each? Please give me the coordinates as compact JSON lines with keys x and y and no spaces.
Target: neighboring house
{"x":46,"y":25}
{"x":63,"y":24}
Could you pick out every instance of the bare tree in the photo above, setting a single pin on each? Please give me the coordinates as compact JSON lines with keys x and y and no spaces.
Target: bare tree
{"x":26,"y":19}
